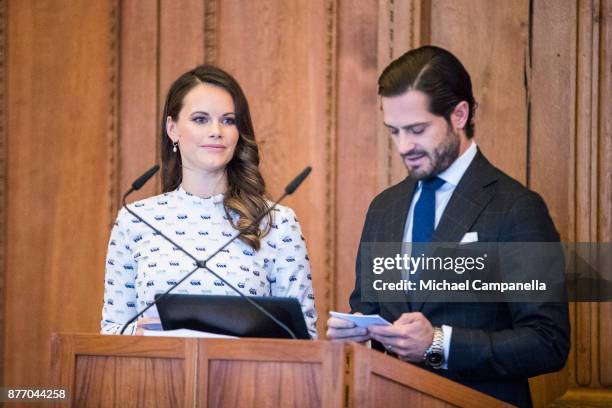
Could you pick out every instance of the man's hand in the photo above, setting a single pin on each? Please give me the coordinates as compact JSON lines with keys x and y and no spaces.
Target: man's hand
{"x":409,"y":336}
{"x":343,"y":330}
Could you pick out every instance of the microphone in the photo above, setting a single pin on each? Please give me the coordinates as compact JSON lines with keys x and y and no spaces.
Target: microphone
{"x":290,"y":189}
{"x":140,"y":181}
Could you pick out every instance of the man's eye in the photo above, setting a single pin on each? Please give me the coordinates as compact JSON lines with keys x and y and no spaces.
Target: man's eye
{"x":200,"y":120}
{"x":394,"y":132}
{"x":229,"y":121}
{"x":418,"y":130}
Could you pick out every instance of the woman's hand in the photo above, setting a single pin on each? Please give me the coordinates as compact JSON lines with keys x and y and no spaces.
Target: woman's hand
{"x":144,"y":321}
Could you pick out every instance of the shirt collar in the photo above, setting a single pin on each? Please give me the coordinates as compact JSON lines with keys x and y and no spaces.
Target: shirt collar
{"x":452,"y":175}
{"x":455,"y":171}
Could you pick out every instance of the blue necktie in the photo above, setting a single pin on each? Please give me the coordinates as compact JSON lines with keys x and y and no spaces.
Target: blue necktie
{"x":424,"y":217}
{"x":423,"y":223}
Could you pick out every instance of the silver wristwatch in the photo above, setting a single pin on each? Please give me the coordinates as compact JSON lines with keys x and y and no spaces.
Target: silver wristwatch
{"x":434,"y":356}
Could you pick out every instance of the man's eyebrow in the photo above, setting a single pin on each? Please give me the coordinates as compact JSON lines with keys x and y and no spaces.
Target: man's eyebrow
{"x":410,"y":126}
{"x":413,"y":125}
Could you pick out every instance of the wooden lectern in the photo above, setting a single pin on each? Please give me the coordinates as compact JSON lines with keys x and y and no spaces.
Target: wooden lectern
{"x":136,"y":371}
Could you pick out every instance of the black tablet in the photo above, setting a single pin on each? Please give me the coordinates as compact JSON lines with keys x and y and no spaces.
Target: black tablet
{"x":232,"y":315}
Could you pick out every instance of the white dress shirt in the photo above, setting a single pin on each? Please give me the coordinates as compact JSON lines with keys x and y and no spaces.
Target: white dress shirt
{"x":451,"y":176}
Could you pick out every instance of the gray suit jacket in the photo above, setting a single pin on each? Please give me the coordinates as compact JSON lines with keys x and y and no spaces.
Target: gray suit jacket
{"x":495,"y":347}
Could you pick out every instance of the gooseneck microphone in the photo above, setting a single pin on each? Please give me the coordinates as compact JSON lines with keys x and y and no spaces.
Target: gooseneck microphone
{"x":141,"y":181}
{"x":291,"y":187}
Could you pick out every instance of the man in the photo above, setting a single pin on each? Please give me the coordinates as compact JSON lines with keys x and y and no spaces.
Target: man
{"x":452,"y":190}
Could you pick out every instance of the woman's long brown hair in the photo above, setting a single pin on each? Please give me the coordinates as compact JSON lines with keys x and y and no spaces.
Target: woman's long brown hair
{"x":246,"y":186}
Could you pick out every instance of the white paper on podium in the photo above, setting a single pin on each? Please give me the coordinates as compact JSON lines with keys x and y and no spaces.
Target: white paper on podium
{"x":186,"y":333}
{"x":361,"y":320}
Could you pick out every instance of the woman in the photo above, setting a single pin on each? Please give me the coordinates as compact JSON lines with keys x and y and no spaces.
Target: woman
{"x":212,"y":187}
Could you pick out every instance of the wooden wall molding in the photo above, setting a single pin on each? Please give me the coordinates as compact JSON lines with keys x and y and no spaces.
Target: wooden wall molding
{"x":551,"y":76}
{"x":585,"y":182}
{"x":113,"y":112}
{"x":605,"y":186}
{"x":402,"y":26}
{"x":386,"y":53}
{"x":210,"y":31}
{"x":138,"y":93}
{"x":330,"y":277}
{"x":3,"y":180}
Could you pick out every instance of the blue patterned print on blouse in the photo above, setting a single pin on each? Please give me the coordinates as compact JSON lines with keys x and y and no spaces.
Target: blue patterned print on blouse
{"x":143,"y":264}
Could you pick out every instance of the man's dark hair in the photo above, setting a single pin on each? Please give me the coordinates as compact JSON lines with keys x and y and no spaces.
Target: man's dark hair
{"x":435,"y":72}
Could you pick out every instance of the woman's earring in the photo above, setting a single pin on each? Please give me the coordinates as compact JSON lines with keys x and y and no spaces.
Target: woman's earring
{"x":175,"y":146}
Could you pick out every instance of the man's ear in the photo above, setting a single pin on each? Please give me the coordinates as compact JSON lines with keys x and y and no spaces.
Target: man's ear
{"x":460,"y":115}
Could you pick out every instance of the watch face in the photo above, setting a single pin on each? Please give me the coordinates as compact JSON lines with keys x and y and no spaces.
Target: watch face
{"x":435,"y":359}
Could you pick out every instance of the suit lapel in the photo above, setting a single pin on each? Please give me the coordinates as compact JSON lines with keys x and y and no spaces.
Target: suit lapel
{"x":398,"y":213}
{"x":474,"y":191}
{"x":470,"y":197}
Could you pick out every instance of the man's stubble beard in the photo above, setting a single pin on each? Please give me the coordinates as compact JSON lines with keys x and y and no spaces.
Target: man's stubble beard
{"x":442,"y":157}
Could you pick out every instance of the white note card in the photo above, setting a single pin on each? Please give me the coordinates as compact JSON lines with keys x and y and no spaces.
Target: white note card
{"x":361,"y":320}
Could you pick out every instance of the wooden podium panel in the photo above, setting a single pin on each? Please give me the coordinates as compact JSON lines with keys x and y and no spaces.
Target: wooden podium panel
{"x":380,"y":380}
{"x":274,"y":373}
{"x":124,"y":371}
{"x":112,"y":379}
{"x":135,"y":371}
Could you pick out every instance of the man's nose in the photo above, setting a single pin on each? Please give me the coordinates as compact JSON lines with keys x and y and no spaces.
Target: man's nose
{"x":405,"y":144}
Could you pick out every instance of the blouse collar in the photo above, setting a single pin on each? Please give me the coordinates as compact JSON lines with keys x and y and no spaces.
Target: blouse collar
{"x":214,"y":199}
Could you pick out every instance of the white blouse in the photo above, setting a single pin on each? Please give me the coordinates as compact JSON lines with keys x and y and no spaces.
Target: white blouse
{"x":141,"y":264}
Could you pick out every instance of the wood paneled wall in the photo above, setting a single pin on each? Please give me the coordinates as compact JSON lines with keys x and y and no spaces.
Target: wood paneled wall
{"x":84,"y":85}
{"x":61,"y":88}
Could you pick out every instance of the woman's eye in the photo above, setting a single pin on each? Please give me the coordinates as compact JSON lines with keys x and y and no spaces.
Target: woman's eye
{"x":229,"y":121}
{"x":200,"y":120}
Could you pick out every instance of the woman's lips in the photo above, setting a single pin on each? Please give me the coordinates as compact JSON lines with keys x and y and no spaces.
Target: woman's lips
{"x":213,"y":147}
